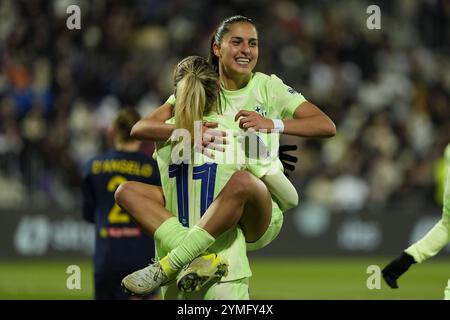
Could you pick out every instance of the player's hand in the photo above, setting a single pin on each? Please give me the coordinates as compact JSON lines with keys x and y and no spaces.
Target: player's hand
{"x":212,"y":139}
{"x":396,"y":268}
{"x":287,"y":159}
{"x":253,"y":120}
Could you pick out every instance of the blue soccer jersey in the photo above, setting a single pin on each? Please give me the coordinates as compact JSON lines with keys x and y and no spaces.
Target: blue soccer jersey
{"x":121,"y":246}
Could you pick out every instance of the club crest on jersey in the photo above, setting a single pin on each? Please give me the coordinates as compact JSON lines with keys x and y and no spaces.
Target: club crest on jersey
{"x":292,"y":91}
{"x":260,"y":110}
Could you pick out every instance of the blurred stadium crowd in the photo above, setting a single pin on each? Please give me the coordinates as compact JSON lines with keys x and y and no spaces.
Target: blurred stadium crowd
{"x":387,"y":90}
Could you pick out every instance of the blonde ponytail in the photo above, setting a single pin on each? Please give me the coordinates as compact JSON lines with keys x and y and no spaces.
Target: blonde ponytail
{"x":196,"y":91}
{"x":190,"y":103}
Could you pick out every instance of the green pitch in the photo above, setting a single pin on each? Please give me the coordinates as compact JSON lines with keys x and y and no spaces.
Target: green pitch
{"x":344,"y":279}
{"x":317,"y":279}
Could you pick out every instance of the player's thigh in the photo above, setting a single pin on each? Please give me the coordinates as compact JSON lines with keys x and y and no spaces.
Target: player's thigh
{"x":131,"y":191}
{"x":257,"y":210}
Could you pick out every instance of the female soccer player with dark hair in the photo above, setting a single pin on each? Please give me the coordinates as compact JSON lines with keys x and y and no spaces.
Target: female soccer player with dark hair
{"x":258,"y":102}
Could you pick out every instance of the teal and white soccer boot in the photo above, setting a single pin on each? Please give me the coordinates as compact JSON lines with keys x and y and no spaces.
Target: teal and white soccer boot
{"x":201,"y":271}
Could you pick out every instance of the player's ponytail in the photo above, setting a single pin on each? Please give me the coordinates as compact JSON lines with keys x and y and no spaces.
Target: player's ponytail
{"x":196,"y":92}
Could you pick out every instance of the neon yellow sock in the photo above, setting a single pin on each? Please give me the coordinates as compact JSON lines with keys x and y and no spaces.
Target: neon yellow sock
{"x":170,"y":234}
{"x":167,"y":268}
{"x":196,"y":242}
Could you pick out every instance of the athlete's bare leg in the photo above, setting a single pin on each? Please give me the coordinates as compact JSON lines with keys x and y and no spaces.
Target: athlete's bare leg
{"x":144,"y":202}
{"x":244,"y":200}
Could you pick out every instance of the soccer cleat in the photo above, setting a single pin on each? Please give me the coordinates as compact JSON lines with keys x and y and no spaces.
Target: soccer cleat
{"x":145,"y":281}
{"x":200,"y":271}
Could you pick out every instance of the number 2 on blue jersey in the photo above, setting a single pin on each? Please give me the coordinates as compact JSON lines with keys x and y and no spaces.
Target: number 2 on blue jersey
{"x":206,"y":173}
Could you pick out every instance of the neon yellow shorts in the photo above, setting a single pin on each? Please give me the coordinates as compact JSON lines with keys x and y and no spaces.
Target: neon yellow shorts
{"x":229,"y":290}
{"x":276,"y":222}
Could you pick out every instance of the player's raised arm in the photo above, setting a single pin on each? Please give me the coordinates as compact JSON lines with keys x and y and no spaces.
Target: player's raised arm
{"x":153,"y":126}
{"x":309,"y":121}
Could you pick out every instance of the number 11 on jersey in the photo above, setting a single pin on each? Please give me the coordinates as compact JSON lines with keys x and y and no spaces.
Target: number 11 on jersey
{"x":207,"y":174}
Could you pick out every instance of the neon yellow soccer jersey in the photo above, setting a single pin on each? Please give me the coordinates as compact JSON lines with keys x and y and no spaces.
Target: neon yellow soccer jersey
{"x":267,"y":95}
{"x":189,"y":189}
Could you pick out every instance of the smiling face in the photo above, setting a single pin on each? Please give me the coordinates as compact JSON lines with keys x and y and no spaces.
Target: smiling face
{"x":238,"y":50}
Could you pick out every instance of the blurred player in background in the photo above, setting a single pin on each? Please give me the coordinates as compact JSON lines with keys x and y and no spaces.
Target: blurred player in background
{"x":189,"y":191}
{"x":433,"y":242}
{"x":120,"y":245}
